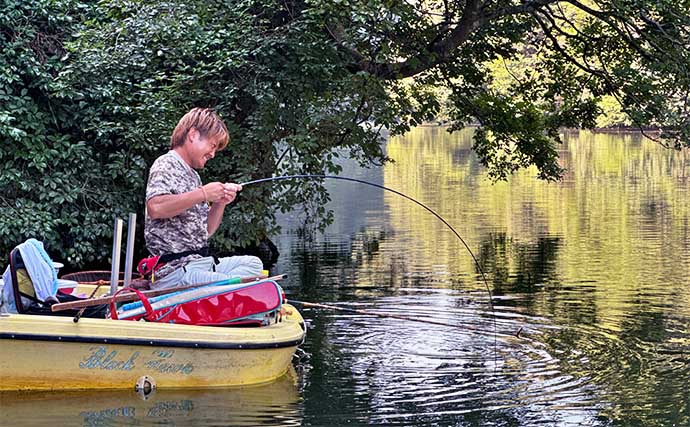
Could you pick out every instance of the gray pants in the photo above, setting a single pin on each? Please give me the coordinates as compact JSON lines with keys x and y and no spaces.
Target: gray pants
{"x":201,"y":271}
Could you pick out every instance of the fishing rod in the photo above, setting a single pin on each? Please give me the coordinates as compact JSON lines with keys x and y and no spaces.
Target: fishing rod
{"x":382,"y":315}
{"x":132,"y":296}
{"x":360,"y":181}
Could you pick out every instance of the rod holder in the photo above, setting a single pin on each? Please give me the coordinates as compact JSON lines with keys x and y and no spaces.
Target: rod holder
{"x":117,"y":246}
{"x":129,"y":254}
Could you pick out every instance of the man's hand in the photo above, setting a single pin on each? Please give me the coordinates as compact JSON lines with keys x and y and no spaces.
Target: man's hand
{"x":220,"y":194}
{"x":223,"y":193}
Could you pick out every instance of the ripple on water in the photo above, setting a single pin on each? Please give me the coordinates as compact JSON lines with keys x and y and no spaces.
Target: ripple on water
{"x":428,"y":372}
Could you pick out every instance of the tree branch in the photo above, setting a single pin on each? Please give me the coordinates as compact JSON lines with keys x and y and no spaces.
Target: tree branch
{"x":434,"y":54}
{"x":560,"y":49}
{"x":517,"y":10}
{"x":625,"y":35}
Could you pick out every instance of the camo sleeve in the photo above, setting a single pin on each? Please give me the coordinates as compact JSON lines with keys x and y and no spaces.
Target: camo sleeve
{"x":164,"y":176}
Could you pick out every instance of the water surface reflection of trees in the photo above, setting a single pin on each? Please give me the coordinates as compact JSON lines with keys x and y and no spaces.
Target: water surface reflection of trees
{"x":599,"y":260}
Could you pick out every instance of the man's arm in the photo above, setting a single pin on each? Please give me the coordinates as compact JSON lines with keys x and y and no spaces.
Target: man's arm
{"x":215,"y":215}
{"x":171,"y":205}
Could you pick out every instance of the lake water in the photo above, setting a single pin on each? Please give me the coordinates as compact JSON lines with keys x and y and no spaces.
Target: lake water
{"x":590,"y":321}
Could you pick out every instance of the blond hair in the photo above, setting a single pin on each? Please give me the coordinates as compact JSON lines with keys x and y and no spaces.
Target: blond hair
{"x":206,"y":122}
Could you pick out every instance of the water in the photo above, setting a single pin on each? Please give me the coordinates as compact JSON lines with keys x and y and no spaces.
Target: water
{"x":591,"y":310}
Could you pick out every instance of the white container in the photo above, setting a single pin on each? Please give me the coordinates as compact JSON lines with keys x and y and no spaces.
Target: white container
{"x":57,"y":266}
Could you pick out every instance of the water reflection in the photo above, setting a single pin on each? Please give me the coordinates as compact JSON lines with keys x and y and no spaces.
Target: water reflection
{"x":534,"y":264}
{"x":592,"y":297}
{"x":277,"y":403}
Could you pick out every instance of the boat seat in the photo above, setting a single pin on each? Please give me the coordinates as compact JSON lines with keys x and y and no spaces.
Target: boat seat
{"x":25,"y":294}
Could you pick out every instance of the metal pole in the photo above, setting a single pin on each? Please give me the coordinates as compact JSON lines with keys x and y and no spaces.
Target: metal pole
{"x":117,"y":244}
{"x":129,"y":254}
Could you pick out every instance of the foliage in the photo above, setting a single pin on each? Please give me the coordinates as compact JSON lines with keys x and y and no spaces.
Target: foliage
{"x":612,"y":115}
{"x":285,"y":94}
{"x":91,"y":91}
{"x":53,"y":178}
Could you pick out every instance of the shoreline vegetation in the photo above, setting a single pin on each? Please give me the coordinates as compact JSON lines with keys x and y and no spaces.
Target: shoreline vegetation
{"x":91,"y":90}
{"x":606,"y":129}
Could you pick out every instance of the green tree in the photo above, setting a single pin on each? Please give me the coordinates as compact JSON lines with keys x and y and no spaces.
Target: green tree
{"x":611,"y":114}
{"x":91,"y":91}
{"x":54,"y":184}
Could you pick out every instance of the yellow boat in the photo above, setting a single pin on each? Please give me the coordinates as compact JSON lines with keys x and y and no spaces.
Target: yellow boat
{"x":49,"y":353}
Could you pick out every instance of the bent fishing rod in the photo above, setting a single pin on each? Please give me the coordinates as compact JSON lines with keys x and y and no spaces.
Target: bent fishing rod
{"x":360,"y":181}
{"x":306,"y":304}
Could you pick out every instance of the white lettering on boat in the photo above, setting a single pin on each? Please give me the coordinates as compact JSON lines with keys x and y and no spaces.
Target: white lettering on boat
{"x":112,"y":360}
{"x":162,"y":366}
{"x":101,"y":359}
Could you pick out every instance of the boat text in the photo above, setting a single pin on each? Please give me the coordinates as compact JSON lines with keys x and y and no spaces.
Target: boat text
{"x":102,"y":358}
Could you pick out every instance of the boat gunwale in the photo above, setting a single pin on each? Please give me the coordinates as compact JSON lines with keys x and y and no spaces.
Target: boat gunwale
{"x":152,"y":343}
{"x":290,"y":332}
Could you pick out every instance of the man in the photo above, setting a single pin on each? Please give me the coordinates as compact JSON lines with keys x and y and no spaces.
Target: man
{"x":179,"y":219}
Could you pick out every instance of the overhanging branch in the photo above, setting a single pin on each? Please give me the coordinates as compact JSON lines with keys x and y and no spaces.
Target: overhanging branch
{"x":434,"y":54}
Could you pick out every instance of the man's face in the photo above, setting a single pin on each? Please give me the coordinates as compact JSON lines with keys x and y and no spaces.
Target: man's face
{"x":202,"y":149}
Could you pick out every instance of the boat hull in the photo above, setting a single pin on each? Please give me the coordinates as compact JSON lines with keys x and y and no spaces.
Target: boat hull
{"x":44,"y":353}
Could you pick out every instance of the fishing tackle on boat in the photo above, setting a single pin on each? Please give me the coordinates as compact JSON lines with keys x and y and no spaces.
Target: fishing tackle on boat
{"x":360,"y":181}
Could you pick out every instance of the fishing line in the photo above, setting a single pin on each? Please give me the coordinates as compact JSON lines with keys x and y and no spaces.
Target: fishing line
{"x":342,"y":178}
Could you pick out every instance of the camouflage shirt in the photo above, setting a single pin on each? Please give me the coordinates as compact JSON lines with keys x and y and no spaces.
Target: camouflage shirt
{"x":184,"y":232}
